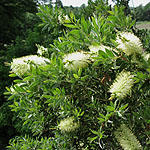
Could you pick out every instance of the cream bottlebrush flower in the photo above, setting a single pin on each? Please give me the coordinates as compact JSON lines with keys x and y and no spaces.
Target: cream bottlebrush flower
{"x":62,"y":18}
{"x":129,"y":43}
{"x":127,"y":139}
{"x":95,"y":49}
{"x":68,"y":125}
{"x":42,"y":51}
{"x":122,"y":85}
{"x":146,"y":56}
{"x":66,"y":17}
{"x":22,"y":65}
{"x":76,"y":60}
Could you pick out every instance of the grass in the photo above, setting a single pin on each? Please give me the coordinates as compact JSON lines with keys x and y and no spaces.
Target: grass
{"x":143,"y":25}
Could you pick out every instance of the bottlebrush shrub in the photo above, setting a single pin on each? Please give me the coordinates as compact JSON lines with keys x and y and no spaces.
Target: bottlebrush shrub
{"x":79,"y":100}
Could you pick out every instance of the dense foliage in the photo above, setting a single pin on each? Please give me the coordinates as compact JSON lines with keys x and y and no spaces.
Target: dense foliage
{"x":89,"y":90}
{"x":79,"y":77}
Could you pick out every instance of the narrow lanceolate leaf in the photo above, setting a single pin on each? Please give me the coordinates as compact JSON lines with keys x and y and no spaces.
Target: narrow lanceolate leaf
{"x":12,"y":75}
{"x":103,"y":54}
{"x":127,"y":139}
{"x":70,"y":26}
{"x":75,"y":32}
{"x":123,"y":107}
{"x":76,"y":76}
{"x":12,"y":97}
{"x":28,"y":78}
{"x":110,"y":108}
{"x":110,"y":53}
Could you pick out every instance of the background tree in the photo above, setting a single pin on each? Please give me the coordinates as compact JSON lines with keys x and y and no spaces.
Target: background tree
{"x":139,"y":10}
{"x":124,"y":3}
{"x":11,"y":14}
{"x":146,"y":12}
{"x":142,"y":12}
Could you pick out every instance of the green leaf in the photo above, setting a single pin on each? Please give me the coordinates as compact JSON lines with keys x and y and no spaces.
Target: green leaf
{"x":112,"y":104}
{"x":70,"y":26}
{"x":79,"y":72}
{"x":103,"y":54}
{"x":82,"y":113}
{"x":72,"y":16}
{"x":12,"y":75}
{"x":11,"y":106}
{"x":123,"y":107}
{"x":133,"y":22}
{"x":93,"y":139}
{"x":84,"y":78}
{"x":76,"y":76}
{"x":35,"y":83}
{"x":101,"y":115}
{"x":53,"y":58}
{"x":30,"y":95}
{"x":141,"y":75}
{"x":16,"y":104}
{"x":50,"y":101}
{"x":112,"y":18}
{"x":67,"y":21}
{"x":94,"y":132}
{"x":12,"y":97}
{"x":109,"y":53}
{"x":96,"y":27}
{"x":47,"y":96}
{"x":28,"y":78}
{"x":101,"y":119}
{"x":60,"y":64}
{"x":19,"y":89}
{"x":7,"y":93}
{"x":110,"y":108}
{"x":76,"y":32}
{"x":111,"y":12}
{"x":18,"y":81}
{"x":26,"y":122}
{"x":84,"y":24}
{"x":8,"y":89}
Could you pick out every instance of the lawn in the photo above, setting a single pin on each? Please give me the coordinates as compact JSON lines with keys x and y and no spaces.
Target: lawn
{"x":143,"y":25}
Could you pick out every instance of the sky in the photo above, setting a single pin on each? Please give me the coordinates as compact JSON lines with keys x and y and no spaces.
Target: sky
{"x":74,"y":2}
{"x":132,"y":3}
{"x":135,"y":3}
